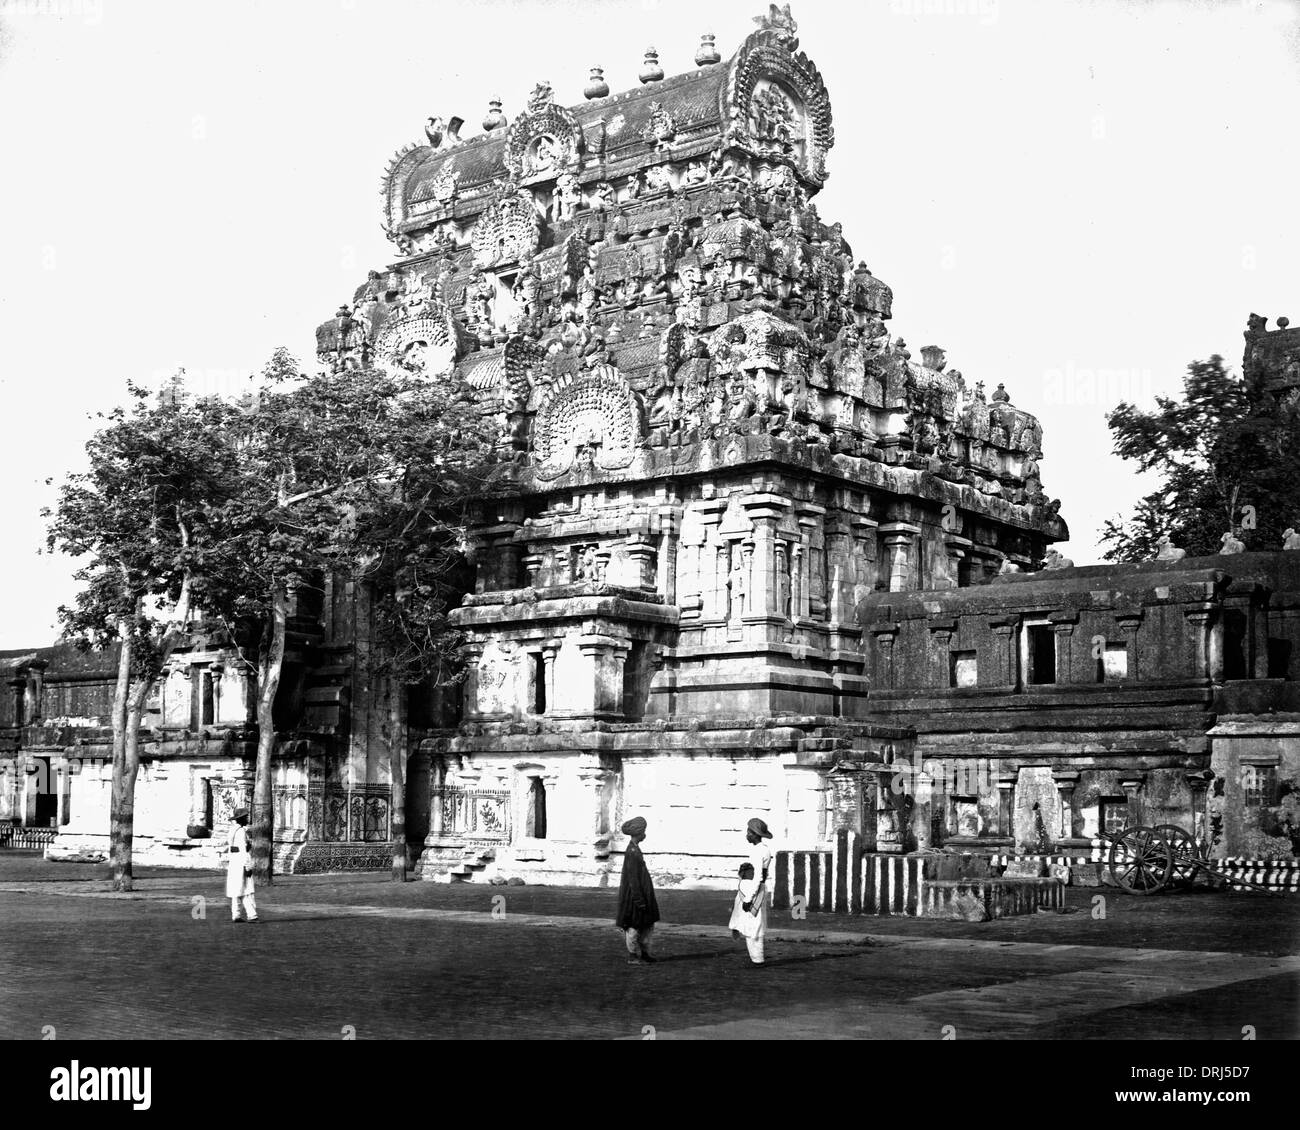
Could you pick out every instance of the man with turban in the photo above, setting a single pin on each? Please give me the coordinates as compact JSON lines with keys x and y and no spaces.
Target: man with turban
{"x":749,"y":913}
{"x":239,"y":870}
{"x":637,"y":909}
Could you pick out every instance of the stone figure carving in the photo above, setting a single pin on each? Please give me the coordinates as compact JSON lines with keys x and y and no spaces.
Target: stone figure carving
{"x":1007,"y":566}
{"x":567,"y":196}
{"x":603,"y":197}
{"x":541,"y":97}
{"x":1231,"y":544}
{"x":736,"y":585}
{"x":1055,"y":560}
{"x":588,"y":295}
{"x":774,"y":118}
{"x":781,"y":24}
{"x":543,"y":155}
{"x":1290,"y":539}
{"x":697,"y":172}
{"x":661,"y":129}
{"x":658,"y":178}
{"x":1168,"y":551}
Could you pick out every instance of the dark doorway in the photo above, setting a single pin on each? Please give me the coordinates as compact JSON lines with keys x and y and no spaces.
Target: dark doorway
{"x":1235,"y":625}
{"x":537,"y":809}
{"x":46,"y":807}
{"x":1042,"y":654}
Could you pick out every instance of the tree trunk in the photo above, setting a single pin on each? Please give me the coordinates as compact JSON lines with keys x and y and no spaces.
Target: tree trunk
{"x":125,"y":820}
{"x":397,"y":773}
{"x":122,"y":799}
{"x":268,"y":683}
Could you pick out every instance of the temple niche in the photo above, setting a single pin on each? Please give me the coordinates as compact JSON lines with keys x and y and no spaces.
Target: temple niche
{"x":714,"y":452}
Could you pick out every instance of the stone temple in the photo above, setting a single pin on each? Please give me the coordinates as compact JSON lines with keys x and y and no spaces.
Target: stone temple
{"x":747,"y":553}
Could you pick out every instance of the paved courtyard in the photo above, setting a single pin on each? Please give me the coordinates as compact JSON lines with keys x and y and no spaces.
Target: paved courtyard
{"x":338,"y":955}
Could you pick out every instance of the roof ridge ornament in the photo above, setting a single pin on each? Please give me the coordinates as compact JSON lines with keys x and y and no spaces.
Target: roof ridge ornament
{"x":781,"y":24}
{"x":651,"y":70}
{"x":707,"y":53}
{"x":541,"y":97}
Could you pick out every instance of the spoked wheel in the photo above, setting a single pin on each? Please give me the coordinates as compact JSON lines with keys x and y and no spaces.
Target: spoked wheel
{"x":1185,"y":853}
{"x":1141,"y":860}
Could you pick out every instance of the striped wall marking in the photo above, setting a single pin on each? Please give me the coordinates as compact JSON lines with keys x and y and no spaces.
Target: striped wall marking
{"x":841,"y":870}
{"x":855,"y":884}
{"x":782,"y":896}
{"x":814,"y":881}
{"x":800,"y":880}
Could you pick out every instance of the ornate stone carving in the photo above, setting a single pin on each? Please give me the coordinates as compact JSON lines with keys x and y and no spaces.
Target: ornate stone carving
{"x":425,"y":343}
{"x":506,"y":232}
{"x":542,"y":142}
{"x":662,"y":129}
{"x":589,"y":420}
{"x":777,"y":101}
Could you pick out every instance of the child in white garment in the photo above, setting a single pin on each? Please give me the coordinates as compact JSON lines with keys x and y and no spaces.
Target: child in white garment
{"x":745,"y":919}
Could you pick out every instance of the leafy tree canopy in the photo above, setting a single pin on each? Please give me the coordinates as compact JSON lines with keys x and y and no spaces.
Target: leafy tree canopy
{"x":1226,"y":456}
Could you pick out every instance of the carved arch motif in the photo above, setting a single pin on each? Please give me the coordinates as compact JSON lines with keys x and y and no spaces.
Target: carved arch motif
{"x":542,"y":143}
{"x":764,"y":73}
{"x":423,"y":343}
{"x":593,"y":416}
{"x":506,"y":232}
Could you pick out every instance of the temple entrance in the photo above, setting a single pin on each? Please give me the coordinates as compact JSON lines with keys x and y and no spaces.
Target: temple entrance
{"x":417,"y":803}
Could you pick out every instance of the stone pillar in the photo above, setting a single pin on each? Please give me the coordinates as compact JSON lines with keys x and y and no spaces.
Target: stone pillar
{"x":809,"y":516}
{"x":35,"y":692}
{"x":1199,"y":783}
{"x":885,"y":635}
{"x":1007,"y":806}
{"x":941,"y":633}
{"x":595,"y":781}
{"x":784,"y":605}
{"x":956,"y":548}
{"x":665,"y":581}
{"x":1064,"y":629}
{"x":472,"y":652}
{"x":607,"y":655}
{"x":691,"y":582}
{"x":900,"y":555}
{"x":798,"y":584}
{"x":847,"y":798}
{"x":765,"y":511}
{"x":550,"y":650}
{"x":641,"y":553}
{"x":532,"y":564}
{"x":839,"y":575}
{"x":1066,"y":780}
{"x":1198,"y":620}
{"x":1005,"y":657}
{"x":1132,"y":786}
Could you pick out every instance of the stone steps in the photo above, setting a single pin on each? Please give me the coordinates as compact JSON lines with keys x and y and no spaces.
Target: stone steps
{"x":474,"y":864}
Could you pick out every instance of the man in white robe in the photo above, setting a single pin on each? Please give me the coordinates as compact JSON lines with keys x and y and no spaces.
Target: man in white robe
{"x":239,"y":871}
{"x":751,"y":923}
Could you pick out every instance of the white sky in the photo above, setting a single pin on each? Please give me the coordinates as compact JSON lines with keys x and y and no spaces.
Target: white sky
{"x":1074,"y":198}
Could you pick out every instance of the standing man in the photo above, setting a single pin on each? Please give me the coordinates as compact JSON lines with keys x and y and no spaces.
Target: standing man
{"x":239,"y":870}
{"x":760,"y":858}
{"x":638,"y":911}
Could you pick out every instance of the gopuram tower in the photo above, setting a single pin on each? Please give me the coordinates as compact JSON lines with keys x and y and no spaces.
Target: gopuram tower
{"x":713,"y":452}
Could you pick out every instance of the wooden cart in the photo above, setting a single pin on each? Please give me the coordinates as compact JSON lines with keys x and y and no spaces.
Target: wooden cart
{"x":1146,"y":860}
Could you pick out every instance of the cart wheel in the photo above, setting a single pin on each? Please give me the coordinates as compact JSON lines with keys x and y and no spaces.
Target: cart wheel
{"x":1183,"y":848}
{"x":1141,"y":861}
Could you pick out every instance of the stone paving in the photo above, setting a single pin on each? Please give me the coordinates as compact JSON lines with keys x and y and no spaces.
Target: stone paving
{"x":423,"y":960}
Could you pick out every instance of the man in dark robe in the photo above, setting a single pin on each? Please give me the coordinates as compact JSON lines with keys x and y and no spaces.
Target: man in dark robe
{"x":637,"y":909}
